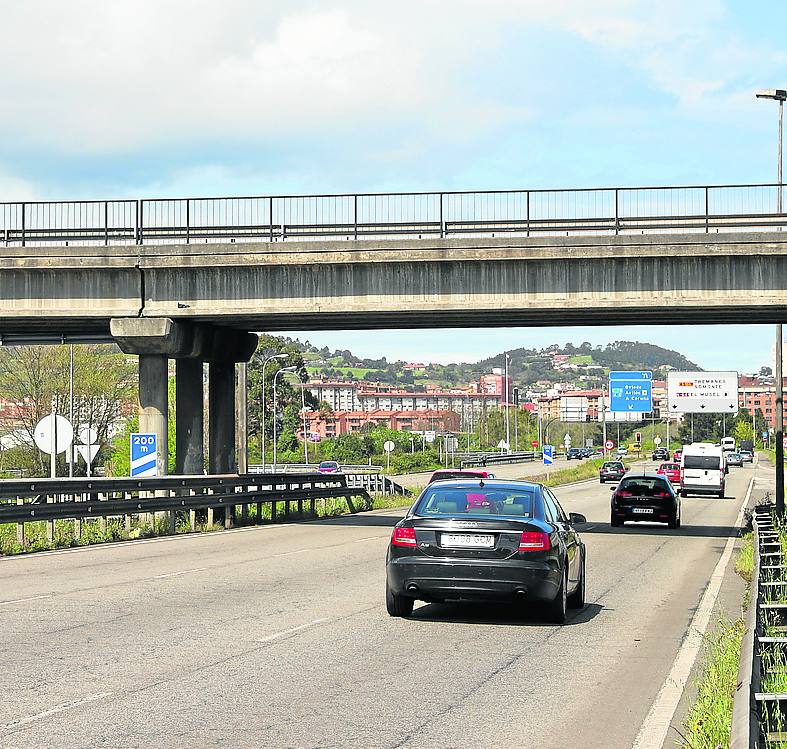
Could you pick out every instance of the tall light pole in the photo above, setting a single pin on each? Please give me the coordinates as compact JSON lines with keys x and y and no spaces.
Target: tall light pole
{"x":275,"y":435}
{"x":269,"y":359}
{"x":778,"y":94}
{"x":508,"y":424}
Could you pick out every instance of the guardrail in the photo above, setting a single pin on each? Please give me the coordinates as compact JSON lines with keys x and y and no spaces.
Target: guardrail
{"x":759,"y":718}
{"x":501,"y":459}
{"x":57,"y":499}
{"x":615,"y":210}
{"x":299,"y":467}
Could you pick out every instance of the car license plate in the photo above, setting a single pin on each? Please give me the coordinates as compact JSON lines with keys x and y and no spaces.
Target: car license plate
{"x":642,"y":510}
{"x":467,"y":541}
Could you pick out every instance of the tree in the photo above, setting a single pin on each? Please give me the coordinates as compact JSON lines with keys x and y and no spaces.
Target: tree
{"x":34,"y":379}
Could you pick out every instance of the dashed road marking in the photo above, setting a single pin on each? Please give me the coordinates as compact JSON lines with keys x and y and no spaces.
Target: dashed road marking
{"x":284,"y":632}
{"x":177,"y":574}
{"x":53,"y":711}
{"x":24,"y":600}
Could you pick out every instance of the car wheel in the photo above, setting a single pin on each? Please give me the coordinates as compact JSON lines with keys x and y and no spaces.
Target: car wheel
{"x":674,"y":522}
{"x":615,"y":521}
{"x":556,"y":609}
{"x":577,"y":599}
{"x":397,"y":605}
{"x":601,"y":481}
{"x":721,"y":495}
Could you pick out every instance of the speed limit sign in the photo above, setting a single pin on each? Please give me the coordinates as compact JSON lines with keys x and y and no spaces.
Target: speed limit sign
{"x":609,"y":444}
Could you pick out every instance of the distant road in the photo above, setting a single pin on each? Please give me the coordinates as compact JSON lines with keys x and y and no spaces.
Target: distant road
{"x":505,"y":471}
{"x":278,"y":637}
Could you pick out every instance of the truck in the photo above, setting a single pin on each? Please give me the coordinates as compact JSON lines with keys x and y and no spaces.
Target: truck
{"x":728,"y":444}
{"x":703,"y":467}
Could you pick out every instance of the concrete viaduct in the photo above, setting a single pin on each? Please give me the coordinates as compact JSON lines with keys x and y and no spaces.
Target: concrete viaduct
{"x":198,"y":302}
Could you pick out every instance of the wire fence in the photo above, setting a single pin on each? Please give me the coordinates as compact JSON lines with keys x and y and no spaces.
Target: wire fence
{"x":590,"y":211}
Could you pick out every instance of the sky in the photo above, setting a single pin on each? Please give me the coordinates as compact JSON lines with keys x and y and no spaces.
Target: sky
{"x":164,"y":99}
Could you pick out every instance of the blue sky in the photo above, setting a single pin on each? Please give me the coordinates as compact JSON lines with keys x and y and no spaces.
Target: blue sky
{"x":162,"y":98}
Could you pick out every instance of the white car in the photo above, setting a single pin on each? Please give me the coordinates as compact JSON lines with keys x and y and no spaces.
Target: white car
{"x":623,"y":451}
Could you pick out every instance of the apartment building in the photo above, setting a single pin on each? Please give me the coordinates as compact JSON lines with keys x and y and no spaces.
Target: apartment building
{"x":347,"y":422}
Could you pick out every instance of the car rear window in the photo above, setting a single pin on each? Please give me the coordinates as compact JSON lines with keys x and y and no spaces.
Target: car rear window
{"x":670,"y":467}
{"x":615,"y":464}
{"x":445,"y":475}
{"x":477,"y":501}
{"x":643,"y":486}
{"x":329,"y":464}
{"x":702,"y":462}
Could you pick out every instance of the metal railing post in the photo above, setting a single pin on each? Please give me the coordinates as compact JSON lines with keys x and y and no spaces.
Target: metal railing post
{"x":270,"y":217}
{"x":707,"y":226}
{"x":106,"y":223}
{"x":617,"y":215}
{"x":442,"y":220}
{"x":138,"y":222}
{"x":355,"y":216}
{"x":23,"y":224}
{"x":528,"y":213}
{"x":188,"y":221}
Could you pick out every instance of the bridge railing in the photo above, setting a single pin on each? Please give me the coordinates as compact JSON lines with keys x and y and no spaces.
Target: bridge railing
{"x":589,"y":211}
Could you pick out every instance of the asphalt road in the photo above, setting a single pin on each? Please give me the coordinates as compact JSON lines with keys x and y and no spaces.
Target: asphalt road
{"x":278,"y":637}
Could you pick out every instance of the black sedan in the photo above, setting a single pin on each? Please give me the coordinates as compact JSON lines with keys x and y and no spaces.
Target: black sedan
{"x":486,"y":540}
{"x":648,"y":496}
{"x":611,"y":470}
{"x":660,"y":453}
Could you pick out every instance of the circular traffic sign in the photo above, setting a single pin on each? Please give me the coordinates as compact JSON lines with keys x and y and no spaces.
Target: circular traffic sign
{"x":88,"y":435}
{"x":609,"y":444}
{"x":388,"y":446}
{"x":63,"y":433}
{"x":657,"y":440}
{"x":534,"y":443}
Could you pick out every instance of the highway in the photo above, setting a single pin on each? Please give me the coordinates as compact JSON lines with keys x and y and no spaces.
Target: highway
{"x":278,"y":637}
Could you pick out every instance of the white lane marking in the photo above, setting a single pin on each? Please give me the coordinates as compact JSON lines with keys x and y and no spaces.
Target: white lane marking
{"x":290,"y":553}
{"x":368,"y":538}
{"x":177,"y":574}
{"x":23,"y":600}
{"x":54,"y":710}
{"x":284,"y":632}
{"x":653,"y":731}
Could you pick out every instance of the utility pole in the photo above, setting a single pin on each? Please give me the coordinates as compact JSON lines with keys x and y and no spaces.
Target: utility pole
{"x":508,"y":425}
{"x":779,"y":95}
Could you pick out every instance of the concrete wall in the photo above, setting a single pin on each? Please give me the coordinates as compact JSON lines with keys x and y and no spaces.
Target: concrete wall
{"x":693,"y":278}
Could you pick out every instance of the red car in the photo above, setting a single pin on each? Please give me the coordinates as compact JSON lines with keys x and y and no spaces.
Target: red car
{"x":447,"y":474}
{"x":671,"y":471}
{"x":676,"y":455}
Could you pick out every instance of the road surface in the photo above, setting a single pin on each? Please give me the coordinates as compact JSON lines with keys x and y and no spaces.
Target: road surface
{"x":278,"y":637}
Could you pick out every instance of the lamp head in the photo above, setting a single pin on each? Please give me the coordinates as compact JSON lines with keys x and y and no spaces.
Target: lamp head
{"x":778,"y":94}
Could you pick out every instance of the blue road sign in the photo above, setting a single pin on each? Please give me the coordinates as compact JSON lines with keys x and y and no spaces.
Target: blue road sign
{"x":144,"y":454}
{"x":631,"y":391}
{"x":549,"y":455}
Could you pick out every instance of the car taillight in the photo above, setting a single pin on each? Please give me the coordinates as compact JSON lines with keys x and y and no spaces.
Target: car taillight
{"x":534,"y":541}
{"x":403,"y":537}
{"x":623,"y":494}
{"x":663,"y":495}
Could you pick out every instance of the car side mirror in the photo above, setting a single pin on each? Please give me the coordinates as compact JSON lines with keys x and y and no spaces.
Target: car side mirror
{"x":574,"y":518}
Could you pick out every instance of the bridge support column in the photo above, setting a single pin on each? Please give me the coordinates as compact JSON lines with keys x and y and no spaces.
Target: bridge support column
{"x":189,"y":420}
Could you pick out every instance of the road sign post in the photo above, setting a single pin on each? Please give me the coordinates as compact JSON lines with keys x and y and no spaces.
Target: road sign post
{"x":144,"y":454}
{"x":388,"y":446}
{"x":549,"y":455}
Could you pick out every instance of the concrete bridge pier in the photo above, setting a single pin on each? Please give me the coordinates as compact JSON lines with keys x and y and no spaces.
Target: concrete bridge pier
{"x":155,"y":341}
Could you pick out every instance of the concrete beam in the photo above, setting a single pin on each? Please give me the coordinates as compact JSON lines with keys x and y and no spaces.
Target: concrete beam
{"x":152,"y":335}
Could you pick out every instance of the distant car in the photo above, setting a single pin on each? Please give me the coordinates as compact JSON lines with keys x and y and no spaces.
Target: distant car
{"x":447,"y":474}
{"x":587,"y":452}
{"x":612,"y":470}
{"x":677,"y":455}
{"x":671,"y":471}
{"x":746,"y":456}
{"x":660,"y":453}
{"x":574,"y":453}
{"x":646,"y":496}
{"x":518,"y":545}
{"x":734,"y":459}
{"x":328,"y":466}
{"x":622,"y":451}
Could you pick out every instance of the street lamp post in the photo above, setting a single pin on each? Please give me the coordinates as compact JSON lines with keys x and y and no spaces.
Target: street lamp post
{"x":264,"y":363}
{"x":275,"y":434}
{"x":778,"y":94}
{"x":508,"y":425}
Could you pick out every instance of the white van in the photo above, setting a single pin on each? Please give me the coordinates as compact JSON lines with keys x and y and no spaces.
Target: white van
{"x":728,"y":444}
{"x":702,"y":469}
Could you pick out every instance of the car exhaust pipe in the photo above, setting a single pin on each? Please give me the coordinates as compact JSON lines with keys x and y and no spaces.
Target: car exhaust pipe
{"x":521,"y":592}
{"x":412,"y":588}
